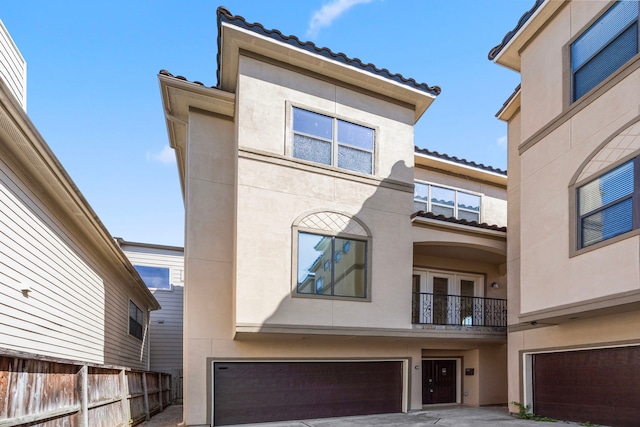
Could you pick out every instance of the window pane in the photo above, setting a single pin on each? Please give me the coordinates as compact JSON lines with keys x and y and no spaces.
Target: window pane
{"x":608,"y":188}
{"x":154,"y":277}
{"x":443,"y":196}
{"x":417,"y":206}
{"x":314,"y":150}
{"x":421,"y":192}
{"x":350,"y":271}
{"x":355,"y":135}
{"x":313,"y":252}
{"x":610,"y":222}
{"x":603,"y":31}
{"x":442,"y":210}
{"x":354,"y":160}
{"x":312,"y":123}
{"x":467,"y":201}
{"x":606,"y":62}
{"x":469,"y":216}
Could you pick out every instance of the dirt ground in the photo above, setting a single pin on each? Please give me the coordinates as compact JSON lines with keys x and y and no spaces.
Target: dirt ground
{"x":170,"y":417}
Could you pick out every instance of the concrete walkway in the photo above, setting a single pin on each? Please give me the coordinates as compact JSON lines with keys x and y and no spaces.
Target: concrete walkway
{"x":444,"y":416}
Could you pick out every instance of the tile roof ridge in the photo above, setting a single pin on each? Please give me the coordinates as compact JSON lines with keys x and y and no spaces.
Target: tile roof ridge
{"x":454,"y":220}
{"x":225,"y":15}
{"x":493,"y":53}
{"x":460,"y":161}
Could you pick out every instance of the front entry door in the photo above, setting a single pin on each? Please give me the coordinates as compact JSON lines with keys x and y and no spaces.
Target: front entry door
{"x":438,"y":381}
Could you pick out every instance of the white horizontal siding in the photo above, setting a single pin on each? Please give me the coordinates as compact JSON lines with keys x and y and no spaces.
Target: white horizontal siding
{"x":63,"y":315}
{"x":13,"y":68}
{"x":165,"y":338}
{"x":77,"y":308}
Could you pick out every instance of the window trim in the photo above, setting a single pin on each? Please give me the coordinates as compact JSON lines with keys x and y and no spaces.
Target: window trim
{"x":142,"y":325}
{"x":570,"y":72}
{"x":456,"y":190}
{"x":290,"y":135}
{"x":297,"y":228}
{"x":170,"y":289}
{"x":575,"y":218}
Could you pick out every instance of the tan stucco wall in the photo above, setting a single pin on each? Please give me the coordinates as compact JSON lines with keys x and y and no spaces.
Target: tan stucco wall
{"x":549,"y":141}
{"x":549,"y":276}
{"x":282,"y":189}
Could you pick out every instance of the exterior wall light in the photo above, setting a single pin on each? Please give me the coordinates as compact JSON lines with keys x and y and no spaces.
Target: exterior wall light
{"x":495,"y":285}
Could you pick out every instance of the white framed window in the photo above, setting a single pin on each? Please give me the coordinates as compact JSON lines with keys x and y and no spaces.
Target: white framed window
{"x":155,"y":277}
{"x":332,"y":141}
{"x":136,"y":321}
{"x":446,"y":201}
{"x":604,"y":47}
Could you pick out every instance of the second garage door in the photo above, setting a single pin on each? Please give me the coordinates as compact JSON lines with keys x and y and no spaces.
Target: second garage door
{"x":599,"y":386}
{"x":249,"y":392}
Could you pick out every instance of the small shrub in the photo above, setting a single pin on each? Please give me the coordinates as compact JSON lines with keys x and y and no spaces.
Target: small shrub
{"x":524,"y":413}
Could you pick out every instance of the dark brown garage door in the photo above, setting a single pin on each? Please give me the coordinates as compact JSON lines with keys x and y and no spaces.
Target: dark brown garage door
{"x":247,"y":392}
{"x":600,"y":386}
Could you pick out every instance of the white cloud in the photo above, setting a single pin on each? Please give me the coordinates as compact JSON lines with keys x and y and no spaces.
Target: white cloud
{"x":165,"y":156}
{"x":502,"y":142}
{"x":328,"y":13}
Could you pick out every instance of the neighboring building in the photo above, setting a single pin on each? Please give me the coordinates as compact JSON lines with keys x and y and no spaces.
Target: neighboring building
{"x":574,"y":240}
{"x":311,"y":289}
{"x":13,"y":67}
{"x":162,"y":269}
{"x":67,"y":290}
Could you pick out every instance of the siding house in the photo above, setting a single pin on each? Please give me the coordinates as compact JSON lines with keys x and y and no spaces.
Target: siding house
{"x":162,"y":269}
{"x":67,"y":291}
{"x":331,"y":268}
{"x":574,"y":240}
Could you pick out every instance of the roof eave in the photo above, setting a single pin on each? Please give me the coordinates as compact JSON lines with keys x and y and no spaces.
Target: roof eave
{"x":460,"y":169}
{"x":178,"y":97}
{"x":234,"y":40}
{"x":508,"y":54}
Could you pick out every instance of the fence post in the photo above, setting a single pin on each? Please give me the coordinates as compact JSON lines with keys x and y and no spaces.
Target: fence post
{"x":145,"y":390}
{"x":160,"y":392}
{"x":84,"y":396}
{"x":124,"y":387}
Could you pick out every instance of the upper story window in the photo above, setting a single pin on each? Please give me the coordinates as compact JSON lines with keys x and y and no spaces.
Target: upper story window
{"x":446,"y":201}
{"x":605,"y":205}
{"x":330,"y":141}
{"x":155,"y":277}
{"x":604,"y":47}
{"x":136,"y":320}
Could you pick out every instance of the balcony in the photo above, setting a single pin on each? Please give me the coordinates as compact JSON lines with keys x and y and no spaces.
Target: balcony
{"x":456,"y":310}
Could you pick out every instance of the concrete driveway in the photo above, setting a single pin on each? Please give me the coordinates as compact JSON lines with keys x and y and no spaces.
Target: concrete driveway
{"x":458,"y":416}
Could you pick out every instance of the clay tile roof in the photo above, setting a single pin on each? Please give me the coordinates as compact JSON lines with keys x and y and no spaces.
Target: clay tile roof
{"x":484,"y":225}
{"x":168,"y":74}
{"x":460,"y":161}
{"x":226,"y":16}
{"x":505,"y":40}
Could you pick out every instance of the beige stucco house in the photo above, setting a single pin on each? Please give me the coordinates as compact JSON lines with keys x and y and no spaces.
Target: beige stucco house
{"x":573,"y":252}
{"x":331,"y":268}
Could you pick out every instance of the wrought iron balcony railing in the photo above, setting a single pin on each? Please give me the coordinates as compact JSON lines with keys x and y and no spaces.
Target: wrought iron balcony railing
{"x":437,"y":309}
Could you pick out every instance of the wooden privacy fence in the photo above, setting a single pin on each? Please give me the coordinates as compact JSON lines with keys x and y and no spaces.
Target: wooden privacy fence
{"x":47,"y":393}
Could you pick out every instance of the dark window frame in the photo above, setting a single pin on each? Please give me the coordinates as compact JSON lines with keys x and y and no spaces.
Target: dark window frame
{"x":635,"y":205}
{"x":136,"y":324}
{"x":572,"y":71}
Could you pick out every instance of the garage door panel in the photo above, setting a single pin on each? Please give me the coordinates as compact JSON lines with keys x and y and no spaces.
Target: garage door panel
{"x":246,"y":392}
{"x":599,"y":385}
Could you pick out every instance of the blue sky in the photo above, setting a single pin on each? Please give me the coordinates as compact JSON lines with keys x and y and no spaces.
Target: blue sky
{"x":92,"y":88}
